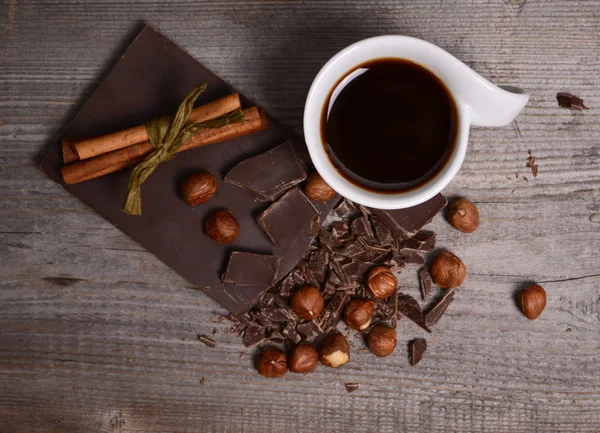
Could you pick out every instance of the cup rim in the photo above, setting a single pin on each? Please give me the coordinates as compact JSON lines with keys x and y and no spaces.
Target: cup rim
{"x":312,"y":130}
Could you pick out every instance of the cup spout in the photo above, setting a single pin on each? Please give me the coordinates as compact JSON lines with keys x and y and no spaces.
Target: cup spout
{"x":492,"y":105}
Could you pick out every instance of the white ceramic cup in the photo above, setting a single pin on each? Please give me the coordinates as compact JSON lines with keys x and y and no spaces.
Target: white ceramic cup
{"x":478,"y":102}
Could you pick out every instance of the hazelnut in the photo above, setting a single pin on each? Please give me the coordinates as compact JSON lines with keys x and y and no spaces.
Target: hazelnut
{"x":382,"y":282}
{"x":463,"y":215}
{"x":317,"y":189}
{"x":272,"y":363}
{"x":448,"y":271}
{"x":222,"y":227}
{"x":304,"y":358}
{"x":307,"y":302}
{"x":198,"y":188}
{"x":358,"y":313}
{"x":532,"y":301}
{"x":335,"y":350}
{"x":382,"y":340}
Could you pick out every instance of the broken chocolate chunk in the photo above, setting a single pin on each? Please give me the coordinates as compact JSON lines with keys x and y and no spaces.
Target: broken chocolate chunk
{"x":351,"y":386}
{"x":249,"y":269}
{"x":409,"y":307}
{"x":426,"y":284}
{"x":340,"y":229}
{"x":331,"y":316}
{"x":408,"y":255}
{"x":207,"y":340}
{"x":253,"y":336}
{"x":384,"y":234}
{"x":317,"y":264}
{"x":566,"y":100}
{"x":423,"y":241}
{"x":292,"y":221}
{"x":405,"y":223}
{"x":436,"y":313}
{"x":268,"y":175}
{"x":347,"y":209}
{"x":362,"y":227}
{"x":416,"y":349}
{"x":328,"y":241}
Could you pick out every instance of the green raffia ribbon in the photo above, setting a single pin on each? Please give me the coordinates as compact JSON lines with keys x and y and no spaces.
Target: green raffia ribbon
{"x":168,"y":135}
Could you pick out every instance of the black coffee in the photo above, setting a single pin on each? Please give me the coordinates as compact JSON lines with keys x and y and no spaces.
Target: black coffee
{"x":390,"y":128}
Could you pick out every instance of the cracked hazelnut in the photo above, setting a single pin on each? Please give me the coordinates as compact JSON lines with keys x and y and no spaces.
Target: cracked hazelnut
{"x":382,"y":282}
{"x":222,"y":227}
{"x":272,"y":363}
{"x":463,"y":215}
{"x":317,"y":189}
{"x":448,"y":271}
{"x":304,"y":358}
{"x":532,"y":301}
{"x":198,"y":188}
{"x":358,"y":313}
{"x":307,"y":302}
{"x":382,"y":340}
{"x":335,"y":350}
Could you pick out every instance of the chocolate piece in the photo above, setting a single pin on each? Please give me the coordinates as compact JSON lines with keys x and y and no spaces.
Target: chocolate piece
{"x":436,"y":313}
{"x":253,"y":336}
{"x":249,"y":269}
{"x":340,"y":229}
{"x":151,"y":79}
{"x":269,"y":175}
{"x":317,"y":263}
{"x":347,"y":209}
{"x":409,"y":307}
{"x":207,"y":340}
{"x":408,"y":255}
{"x":384,"y":234}
{"x":291,"y":220}
{"x":573,"y":102}
{"x":202,"y":380}
{"x":331,"y":316}
{"x":328,"y":241}
{"x":416,"y":349}
{"x":290,"y":333}
{"x":362,"y":227}
{"x":426,"y":284}
{"x":405,"y":223}
{"x":423,"y":240}
{"x":351,"y":386}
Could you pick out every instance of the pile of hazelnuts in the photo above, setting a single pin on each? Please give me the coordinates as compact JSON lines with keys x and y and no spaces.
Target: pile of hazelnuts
{"x":221,"y":225}
{"x":307,"y":302}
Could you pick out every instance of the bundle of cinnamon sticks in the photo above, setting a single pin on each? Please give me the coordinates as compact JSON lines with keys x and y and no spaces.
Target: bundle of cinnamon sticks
{"x":94,"y":157}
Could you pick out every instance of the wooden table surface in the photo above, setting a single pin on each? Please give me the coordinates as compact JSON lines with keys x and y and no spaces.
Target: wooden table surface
{"x":96,"y":335}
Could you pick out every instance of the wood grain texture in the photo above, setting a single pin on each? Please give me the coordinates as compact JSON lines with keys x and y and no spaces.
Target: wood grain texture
{"x":96,"y":335}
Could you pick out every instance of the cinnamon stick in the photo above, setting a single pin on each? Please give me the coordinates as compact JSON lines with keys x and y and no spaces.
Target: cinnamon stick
{"x":90,"y":147}
{"x":80,"y":171}
{"x":68,"y":153}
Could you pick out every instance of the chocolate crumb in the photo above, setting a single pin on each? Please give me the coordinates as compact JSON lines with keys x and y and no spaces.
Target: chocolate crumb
{"x":351,"y":386}
{"x":566,"y":100}
{"x":416,"y":349}
{"x":202,"y":380}
{"x":207,"y":340}
{"x":532,"y":164}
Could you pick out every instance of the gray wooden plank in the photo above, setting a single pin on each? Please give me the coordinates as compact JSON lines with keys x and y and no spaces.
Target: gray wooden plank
{"x":97,"y":335}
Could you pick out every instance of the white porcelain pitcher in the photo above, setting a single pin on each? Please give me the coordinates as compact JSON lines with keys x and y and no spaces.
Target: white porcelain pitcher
{"x":479,"y":103}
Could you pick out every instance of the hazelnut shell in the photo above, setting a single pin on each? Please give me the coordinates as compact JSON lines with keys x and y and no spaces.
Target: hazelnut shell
{"x":358,"y":313}
{"x":448,"y":271}
{"x":307,"y":302}
{"x":303,"y":359}
{"x":382,"y":340}
{"x":317,"y":189}
{"x":222,"y":227}
{"x":335,"y":350}
{"x":532,"y":301}
{"x":382,"y":282}
{"x":463,"y":215}
{"x":272,"y":363}
{"x":198,"y":188}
